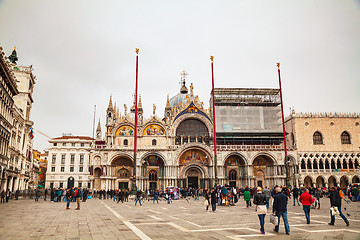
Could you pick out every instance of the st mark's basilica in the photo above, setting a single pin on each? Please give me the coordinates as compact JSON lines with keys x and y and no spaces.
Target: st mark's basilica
{"x":177,"y":149}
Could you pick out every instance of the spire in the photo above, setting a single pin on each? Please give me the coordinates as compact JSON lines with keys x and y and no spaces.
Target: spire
{"x":168,"y":103}
{"x":110,"y":107}
{"x":132,"y":109}
{"x":13,"y":57}
{"x":117,"y":112}
{"x":115,"y":109}
{"x":140,"y":104}
{"x":98,"y":127}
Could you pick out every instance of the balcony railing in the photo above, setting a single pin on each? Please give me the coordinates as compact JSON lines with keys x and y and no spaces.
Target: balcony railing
{"x":219,"y":147}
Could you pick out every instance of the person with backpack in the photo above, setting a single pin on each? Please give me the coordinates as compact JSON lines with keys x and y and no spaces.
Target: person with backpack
{"x":335,"y":201}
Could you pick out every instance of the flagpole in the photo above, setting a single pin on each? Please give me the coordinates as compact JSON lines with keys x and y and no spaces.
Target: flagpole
{"x":283,"y":125}
{"x":134,"y":188}
{"x":214,"y":123}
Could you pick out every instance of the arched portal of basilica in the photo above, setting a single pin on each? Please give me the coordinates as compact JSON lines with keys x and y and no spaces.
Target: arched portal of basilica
{"x":152,"y":173}
{"x":235,"y":170}
{"x":265,"y":171}
{"x":194,"y":168}
{"x":121,"y":169}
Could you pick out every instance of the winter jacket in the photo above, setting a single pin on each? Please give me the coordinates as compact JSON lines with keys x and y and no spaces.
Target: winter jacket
{"x":335,"y":199}
{"x":306,"y":199}
{"x":247,"y":195}
{"x":280,"y":203}
{"x":260,"y":199}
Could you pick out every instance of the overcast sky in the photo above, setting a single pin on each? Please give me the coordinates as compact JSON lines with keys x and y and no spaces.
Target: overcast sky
{"x":83,"y":51}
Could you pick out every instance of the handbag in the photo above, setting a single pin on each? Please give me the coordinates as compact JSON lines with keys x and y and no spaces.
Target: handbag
{"x":206,"y":202}
{"x":274,"y":219}
{"x":334,"y":211}
{"x":261,"y":209}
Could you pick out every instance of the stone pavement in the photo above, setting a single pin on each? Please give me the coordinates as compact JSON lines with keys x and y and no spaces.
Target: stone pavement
{"x":105,"y":219}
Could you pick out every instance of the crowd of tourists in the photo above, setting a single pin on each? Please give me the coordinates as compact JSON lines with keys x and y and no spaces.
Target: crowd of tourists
{"x":277,"y":197}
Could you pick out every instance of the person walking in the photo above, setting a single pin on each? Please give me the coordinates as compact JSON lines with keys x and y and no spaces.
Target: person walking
{"x":280,"y":209}
{"x":37,"y":194}
{"x":306,"y":201}
{"x":247,"y":197}
{"x":156,"y":196}
{"x":2,"y":194}
{"x":77,"y":196}
{"x":17,"y":193}
{"x":207,"y":199}
{"x":335,"y":201}
{"x":317,"y":196}
{"x":85,"y":195}
{"x":68,"y":195}
{"x":213,"y":199}
{"x":295,"y":192}
{"x":261,"y":202}
{"x":267,"y":193}
{"x":138,"y":196}
{"x":8,"y":194}
{"x":127,"y":195}
{"x":45,"y":193}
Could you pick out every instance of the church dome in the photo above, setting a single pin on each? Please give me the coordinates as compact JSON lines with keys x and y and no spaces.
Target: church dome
{"x":178,"y":99}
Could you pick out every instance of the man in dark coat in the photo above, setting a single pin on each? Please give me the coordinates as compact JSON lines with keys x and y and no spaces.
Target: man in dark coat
{"x":280,"y":209}
{"x":213,"y":199}
{"x":295,"y":192}
{"x":335,"y":201}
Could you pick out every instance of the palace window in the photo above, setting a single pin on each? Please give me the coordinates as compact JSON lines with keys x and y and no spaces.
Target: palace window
{"x":345,"y":138}
{"x":71,"y":169}
{"x":72,"y":158}
{"x":317,"y":138}
{"x":81,"y":159}
{"x":53,"y":169}
{"x":81,"y":169}
{"x":126,"y":142}
{"x":62,"y":169}
{"x":154,"y":142}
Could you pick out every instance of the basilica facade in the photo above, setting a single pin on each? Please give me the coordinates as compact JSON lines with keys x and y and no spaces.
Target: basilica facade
{"x":178,"y":148}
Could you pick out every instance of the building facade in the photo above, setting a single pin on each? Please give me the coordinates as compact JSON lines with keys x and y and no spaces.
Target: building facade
{"x":178,"y":148}
{"x":327,"y":147}
{"x":7,"y":93}
{"x":68,"y":162}
{"x":17,"y":159}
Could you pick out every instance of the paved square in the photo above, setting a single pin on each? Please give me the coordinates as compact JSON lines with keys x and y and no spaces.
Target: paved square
{"x":106,"y":219}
